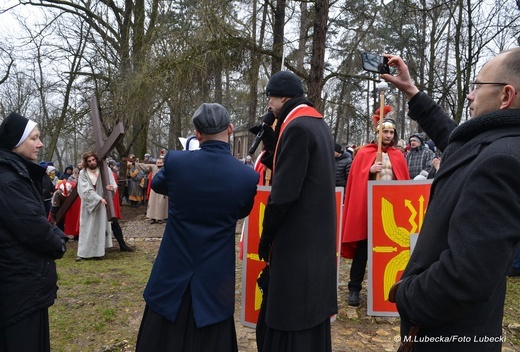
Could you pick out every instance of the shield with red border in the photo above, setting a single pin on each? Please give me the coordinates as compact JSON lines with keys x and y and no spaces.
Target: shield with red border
{"x":396,"y":212}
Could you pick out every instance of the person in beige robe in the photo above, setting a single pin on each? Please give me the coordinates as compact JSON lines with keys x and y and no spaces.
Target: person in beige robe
{"x":157,"y":210}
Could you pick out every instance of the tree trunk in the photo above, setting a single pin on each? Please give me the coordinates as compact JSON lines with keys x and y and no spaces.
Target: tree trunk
{"x":278,"y":36}
{"x":315,"y":82}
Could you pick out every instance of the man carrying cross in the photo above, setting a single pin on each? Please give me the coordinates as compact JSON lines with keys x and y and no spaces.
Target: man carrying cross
{"x":90,"y":188}
{"x":94,"y":231}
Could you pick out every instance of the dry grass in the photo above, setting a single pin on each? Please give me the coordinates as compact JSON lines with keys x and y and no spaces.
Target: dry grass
{"x":511,"y":321}
{"x":100,"y":304}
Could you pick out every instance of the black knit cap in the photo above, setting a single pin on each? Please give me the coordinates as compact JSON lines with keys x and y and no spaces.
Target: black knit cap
{"x":284,"y":84}
{"x":337,"y":148}
{"x":211,"y":118}
{"x":12,"y":130}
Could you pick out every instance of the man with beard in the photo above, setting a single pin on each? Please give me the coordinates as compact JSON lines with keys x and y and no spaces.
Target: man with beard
{"x":94,"y":229}
{"x":299,"y":228}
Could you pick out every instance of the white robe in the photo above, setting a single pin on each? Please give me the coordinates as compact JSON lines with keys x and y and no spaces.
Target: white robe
{"x":95,"y":233}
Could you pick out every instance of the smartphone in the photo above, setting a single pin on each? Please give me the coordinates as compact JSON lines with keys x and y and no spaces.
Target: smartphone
{"x":374,"y":63}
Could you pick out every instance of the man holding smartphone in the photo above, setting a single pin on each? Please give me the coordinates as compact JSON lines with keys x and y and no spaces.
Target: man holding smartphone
{"x":455,"y":281}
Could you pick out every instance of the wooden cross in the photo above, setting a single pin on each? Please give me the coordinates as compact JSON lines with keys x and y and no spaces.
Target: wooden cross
{"x":102,"y":150}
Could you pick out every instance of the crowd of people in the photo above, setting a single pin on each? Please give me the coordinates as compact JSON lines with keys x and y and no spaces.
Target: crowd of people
{"x":422,"y":157}
{"x":84,"y":219}
{"x":454,"y":283}
{"x":136,"y":189}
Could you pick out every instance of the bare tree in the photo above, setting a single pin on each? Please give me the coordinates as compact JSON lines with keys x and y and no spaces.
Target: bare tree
{"x":151,"y":62}
{"x":321,"y":9}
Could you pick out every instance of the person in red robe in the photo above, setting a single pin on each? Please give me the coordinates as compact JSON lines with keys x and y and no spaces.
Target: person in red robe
{"x":72,"y":219}
{"x":364,"y":168}
{"x":72,"y":215}
{"x":69,"y":222}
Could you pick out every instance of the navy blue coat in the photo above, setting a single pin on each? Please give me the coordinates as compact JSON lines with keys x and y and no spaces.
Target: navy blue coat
{"x":455,"y":283}
{"x":208,"y":191}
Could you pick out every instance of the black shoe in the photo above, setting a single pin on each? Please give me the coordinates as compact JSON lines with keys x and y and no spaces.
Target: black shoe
{"x":353,"y":298}
{"x":153,"y":221}
{"x":125,"y":248}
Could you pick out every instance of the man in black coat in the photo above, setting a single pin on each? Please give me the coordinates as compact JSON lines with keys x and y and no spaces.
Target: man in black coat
{"x":343,"y":163}
{"x":453,"y":289}
{"x":299,"y":228}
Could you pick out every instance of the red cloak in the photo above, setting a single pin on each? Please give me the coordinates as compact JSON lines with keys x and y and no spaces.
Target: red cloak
{"x":71,"y":218}
{"x":117,"y":205}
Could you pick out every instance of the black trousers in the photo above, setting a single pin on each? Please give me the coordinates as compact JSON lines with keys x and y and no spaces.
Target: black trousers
{"x":316,"y":339}
{"x":158,"y":334}
{"x":29,"y":334}
{"x":118,"y":233}
{"x":358,"y":267}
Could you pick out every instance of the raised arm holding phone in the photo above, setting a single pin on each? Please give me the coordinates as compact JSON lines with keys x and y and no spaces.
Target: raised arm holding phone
{"x":452,"y":292}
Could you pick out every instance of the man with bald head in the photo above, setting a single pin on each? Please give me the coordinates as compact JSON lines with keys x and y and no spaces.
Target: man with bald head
{"x":190,"y":296}
{"x":451,"y":295}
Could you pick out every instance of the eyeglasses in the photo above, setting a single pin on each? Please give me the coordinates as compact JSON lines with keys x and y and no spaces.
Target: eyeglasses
{"x":476,"y":85}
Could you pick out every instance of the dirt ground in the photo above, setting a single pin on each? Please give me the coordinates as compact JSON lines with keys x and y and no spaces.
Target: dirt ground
{"x":352,"y":330}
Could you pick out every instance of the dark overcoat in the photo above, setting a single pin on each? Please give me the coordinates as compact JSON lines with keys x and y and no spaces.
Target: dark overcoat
{"x":208,"y":191}
{"x":343,"y":163}
{"x":455,"y":283}
{"x":301,"y":217}
{"x":28,"y":242}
